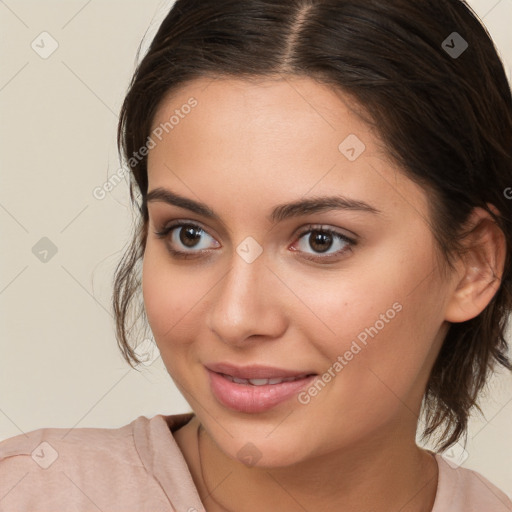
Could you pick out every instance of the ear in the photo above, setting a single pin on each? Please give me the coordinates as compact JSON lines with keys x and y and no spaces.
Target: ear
{"x":480,"y":268}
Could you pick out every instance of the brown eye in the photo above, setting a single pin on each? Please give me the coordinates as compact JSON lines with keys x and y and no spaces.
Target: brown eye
{"x":190,"y":236}
{"x":185,"y":235}
{"x":321,"y":240}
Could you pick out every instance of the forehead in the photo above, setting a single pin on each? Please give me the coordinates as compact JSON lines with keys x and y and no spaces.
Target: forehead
{"x":269,"y":123}
{"x":286,"y":102}
{"x":273,"y":138}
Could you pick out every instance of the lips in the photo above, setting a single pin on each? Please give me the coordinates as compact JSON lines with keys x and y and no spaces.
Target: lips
{"x":253,"y":389}
{"x":262,"y":382}
{"x":256,"y":371}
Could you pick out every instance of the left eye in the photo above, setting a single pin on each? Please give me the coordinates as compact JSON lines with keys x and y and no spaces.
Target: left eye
{"x":321,"y":240}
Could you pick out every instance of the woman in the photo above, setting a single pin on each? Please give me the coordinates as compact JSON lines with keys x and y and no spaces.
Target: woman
{"x":325,"y":242}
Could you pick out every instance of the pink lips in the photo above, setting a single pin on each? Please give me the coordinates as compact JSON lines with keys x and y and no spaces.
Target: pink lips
{"x":251,"y":398}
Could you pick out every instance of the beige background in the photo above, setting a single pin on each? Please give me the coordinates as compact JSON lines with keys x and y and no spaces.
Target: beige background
{"x":59,"y":363}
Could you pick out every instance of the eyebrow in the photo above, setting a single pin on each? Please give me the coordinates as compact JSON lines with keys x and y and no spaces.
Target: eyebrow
{"x":279,"y":213}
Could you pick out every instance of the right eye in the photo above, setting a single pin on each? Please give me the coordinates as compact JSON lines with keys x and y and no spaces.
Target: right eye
{"x":181,"y":236}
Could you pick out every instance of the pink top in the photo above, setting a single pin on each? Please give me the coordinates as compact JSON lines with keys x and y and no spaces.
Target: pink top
{"x":139,"y":467}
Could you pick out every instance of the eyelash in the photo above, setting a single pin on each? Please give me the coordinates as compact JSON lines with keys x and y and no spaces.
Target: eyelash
{"x":164,"y":233}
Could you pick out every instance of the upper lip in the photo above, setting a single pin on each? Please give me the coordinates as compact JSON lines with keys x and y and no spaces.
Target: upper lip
{"x":255,"y":371}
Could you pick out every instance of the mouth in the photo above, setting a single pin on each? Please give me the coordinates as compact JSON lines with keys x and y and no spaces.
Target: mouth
{"x":264,"y":382}
{"x":257,"y":372}
{"x":254,"y":389}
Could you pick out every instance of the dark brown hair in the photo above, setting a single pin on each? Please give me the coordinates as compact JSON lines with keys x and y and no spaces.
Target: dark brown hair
{"x":445,"y":119}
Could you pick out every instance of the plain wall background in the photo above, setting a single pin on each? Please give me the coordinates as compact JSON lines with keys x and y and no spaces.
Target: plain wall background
{"x":60,"y":365}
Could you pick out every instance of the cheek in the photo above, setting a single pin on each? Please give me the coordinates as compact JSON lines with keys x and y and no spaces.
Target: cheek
{"x":383,"y":327}
{"x":341,"y":307}
{"x":170,"y":295}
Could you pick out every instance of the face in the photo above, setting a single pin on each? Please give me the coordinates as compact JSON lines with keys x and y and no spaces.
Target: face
{"x":346,"y":298}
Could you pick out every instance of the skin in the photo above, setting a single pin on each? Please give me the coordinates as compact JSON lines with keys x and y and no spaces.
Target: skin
{"x":245,"y":148}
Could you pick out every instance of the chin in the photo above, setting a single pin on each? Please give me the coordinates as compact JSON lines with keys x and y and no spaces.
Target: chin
{"x":258,"y":449}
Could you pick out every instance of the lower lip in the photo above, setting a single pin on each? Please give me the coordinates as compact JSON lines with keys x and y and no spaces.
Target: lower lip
{"x":251,"y":399}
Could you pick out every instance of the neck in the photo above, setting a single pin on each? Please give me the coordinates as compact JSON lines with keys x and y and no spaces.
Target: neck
{"x":383,"y":474}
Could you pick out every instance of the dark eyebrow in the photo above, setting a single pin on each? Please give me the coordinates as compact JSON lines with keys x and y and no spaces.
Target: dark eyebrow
{"x":319,"y":204}
{"x":166,"y":196}
{"x":279,"y":213}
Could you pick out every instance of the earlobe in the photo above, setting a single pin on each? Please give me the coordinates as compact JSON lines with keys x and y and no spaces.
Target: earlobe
{"x":480,"y":267}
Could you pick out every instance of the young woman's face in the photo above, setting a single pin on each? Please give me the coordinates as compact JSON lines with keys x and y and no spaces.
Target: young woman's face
{"x":346,"y":297}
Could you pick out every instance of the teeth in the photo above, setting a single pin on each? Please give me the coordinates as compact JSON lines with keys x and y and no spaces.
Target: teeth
{"x":262,"y":382}
{"x":259,"y":382}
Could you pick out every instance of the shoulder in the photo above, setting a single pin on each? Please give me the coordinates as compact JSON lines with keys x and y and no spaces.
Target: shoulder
{"x":46,"y":444}
{"x":47,"y":448}
{"x":88,"y":468}
{"x":466,"y":490}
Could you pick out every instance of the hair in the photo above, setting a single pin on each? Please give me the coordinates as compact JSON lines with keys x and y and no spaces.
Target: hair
{"x":445,"y":121}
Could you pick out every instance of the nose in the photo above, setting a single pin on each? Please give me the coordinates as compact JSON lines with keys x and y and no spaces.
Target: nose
{"x":247,"y":303}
